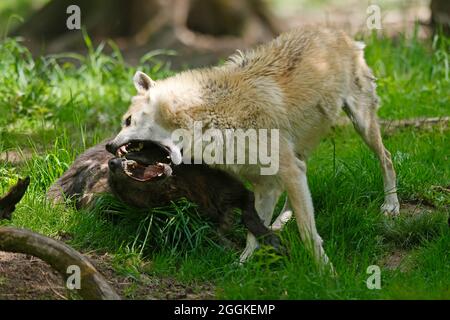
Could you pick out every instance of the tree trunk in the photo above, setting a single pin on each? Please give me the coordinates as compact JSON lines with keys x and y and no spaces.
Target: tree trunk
{"x":184,"y":25}
{"x":101,"y":18}
{"x":440,"y":16}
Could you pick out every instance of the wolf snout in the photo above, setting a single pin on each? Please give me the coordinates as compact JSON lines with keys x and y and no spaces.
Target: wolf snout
{"x":111,"y":147}
{"x":115,"y":163}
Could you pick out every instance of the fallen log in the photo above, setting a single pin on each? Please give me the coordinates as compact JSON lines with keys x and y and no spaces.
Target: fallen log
{"x":390,"y":125}
{"x":415,"y":122}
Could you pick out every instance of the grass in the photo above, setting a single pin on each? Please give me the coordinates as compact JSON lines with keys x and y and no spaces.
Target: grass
{"x":54,"y":107}
{"x":13,"y":12}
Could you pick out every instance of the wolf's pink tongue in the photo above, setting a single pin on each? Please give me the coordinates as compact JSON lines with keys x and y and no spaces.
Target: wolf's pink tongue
{"x":144,"y":173}
{"x":151,"y":172}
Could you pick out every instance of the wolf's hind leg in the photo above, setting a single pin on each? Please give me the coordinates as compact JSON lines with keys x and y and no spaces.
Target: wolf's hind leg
{"x":361,"y":109}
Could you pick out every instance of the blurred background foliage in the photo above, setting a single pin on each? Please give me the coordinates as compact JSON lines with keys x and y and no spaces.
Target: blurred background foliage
{"x":202,"y":31}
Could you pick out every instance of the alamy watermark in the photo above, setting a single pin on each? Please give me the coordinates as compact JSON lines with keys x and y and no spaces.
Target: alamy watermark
{"x":73,"y":22}
{"x":374,"y":280}
{"x":74,"y":279}
{"x":230,"y":146}
{"x":373,"y":20}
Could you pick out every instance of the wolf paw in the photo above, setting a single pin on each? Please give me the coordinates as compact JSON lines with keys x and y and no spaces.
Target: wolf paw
{"x":324,"y":262}
{"x":390,"y":208}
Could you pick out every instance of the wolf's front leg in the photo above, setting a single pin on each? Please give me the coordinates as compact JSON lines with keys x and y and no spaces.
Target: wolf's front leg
{"x":293,"y":176}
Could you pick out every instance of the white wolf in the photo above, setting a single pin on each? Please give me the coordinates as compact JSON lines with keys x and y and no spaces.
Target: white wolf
{"x":298,"y":83}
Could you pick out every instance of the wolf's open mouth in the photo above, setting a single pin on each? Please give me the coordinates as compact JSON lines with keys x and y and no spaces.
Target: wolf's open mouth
{"x":145,"y":160}
{"x":140,"y":172}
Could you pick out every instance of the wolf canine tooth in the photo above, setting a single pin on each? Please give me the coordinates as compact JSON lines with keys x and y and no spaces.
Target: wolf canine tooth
{"x":123,"y":149}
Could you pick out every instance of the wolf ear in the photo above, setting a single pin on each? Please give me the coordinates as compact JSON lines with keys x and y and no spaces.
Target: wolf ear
{"x":142,"y":82}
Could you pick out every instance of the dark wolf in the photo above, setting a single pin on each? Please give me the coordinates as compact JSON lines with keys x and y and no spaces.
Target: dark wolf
{"x":145,"y":179}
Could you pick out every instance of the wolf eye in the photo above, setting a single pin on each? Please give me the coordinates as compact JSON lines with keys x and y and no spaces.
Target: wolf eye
{"x":128,"y":121}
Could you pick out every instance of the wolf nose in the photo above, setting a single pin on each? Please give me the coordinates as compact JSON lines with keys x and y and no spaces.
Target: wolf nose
{"x":110,"y":147}
{"x":115,"y":164}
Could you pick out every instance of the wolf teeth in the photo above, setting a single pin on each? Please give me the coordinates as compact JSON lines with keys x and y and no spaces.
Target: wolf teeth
{"x":139,"y":147}
{"x":131,"y":164}
{"x":122,"y":150}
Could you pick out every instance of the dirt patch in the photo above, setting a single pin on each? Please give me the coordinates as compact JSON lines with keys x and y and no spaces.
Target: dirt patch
{"x":399,"y":234}
{"x":15,"y":157}
{"x":395,"y":260}
{"x":415,"y":207}
{"x":150,"y":287}
{"x":26,"y":277}
{"x":23,"y":277}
